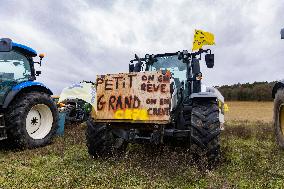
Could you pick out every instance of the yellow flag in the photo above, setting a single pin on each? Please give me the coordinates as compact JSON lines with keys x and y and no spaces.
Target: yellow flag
{"x":202,"y":38}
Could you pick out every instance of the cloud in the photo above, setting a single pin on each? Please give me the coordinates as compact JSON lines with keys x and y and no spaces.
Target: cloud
{"x":85,"y":38}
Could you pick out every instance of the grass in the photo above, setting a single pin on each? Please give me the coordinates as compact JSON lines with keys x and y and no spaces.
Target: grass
{"x":250,"y":159}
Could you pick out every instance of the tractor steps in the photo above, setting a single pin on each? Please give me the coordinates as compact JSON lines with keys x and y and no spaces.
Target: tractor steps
{"x":3,"y":134}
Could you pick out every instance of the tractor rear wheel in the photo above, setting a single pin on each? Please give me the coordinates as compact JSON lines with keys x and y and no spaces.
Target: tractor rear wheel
{"x":205,"y":131}
{"x":31,"y":120}
{"x":101,"y":142}
{"x":279,"y":117}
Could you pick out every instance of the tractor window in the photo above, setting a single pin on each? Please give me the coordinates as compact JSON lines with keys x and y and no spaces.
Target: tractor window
{"x":174,"y":65}
{"x":14,"y":67}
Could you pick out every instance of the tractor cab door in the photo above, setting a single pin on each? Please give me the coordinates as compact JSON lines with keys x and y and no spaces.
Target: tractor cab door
{"x":14,"y":69}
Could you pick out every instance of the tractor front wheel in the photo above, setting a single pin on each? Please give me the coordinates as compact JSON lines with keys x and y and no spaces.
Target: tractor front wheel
{"x":31,"y":120}
{"x":279,"y":117}
{"x":101,"y":141}
{"x":205,"y":131}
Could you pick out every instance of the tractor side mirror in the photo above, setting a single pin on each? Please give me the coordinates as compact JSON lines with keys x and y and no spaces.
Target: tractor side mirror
{"x":131,"y":67}
{"x":38,"y":73}
{"x":282,"y":33}
{"x":209,"y":59}
{"x":195,"y":66}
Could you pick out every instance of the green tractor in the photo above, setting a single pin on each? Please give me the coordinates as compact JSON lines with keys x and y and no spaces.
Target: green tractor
{"x":160,"y":101}
{"x":278,"y":96}
{"x":28,"y":115}
{"x":77,"y":110}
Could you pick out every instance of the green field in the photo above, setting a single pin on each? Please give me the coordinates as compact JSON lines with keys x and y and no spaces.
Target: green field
{"x":250,"y":159}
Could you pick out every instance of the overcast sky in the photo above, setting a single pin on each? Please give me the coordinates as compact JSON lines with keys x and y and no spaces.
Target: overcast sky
{"x":82,"y":38}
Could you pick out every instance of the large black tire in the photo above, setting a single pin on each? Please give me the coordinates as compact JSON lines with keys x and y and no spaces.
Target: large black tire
{"x":205,"y":131}
{"x":101,"y":142}
{"x":76,"y":110}
{"x":17,"y":116}
{"x":70,"y":114}
{"x":279,"y":117}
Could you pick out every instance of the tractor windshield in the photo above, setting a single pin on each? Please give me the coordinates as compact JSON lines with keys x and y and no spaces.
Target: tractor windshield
{"x":14,"y":67}
{"x":174,"y":65}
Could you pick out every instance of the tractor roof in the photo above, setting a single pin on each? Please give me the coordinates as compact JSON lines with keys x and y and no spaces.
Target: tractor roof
{"x":6,"y":44}
{"x":24,"y":49}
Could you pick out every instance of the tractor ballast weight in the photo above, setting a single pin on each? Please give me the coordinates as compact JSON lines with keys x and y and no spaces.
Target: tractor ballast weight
{"x":28,"y":115}
{"x":160,"y":101}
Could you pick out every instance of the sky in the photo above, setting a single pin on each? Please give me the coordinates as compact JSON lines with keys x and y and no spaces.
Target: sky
{"x":83,"y":38}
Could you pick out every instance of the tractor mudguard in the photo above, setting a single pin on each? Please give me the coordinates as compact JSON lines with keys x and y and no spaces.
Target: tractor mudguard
{"x":25,"y":87}
{"x":209,"y":92}
{"x":278,"y":85}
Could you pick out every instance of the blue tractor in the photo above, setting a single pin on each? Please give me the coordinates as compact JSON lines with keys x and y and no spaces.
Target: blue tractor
{"x":28,"y":115}
{"x":278,"y":96}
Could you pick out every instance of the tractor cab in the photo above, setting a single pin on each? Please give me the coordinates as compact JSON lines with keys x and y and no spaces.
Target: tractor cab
{"x":16,"y":66}
{"x":183,"y":68}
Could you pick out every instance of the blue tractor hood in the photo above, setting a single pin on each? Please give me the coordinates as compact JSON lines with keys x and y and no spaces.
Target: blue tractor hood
{"x":7,"y":45}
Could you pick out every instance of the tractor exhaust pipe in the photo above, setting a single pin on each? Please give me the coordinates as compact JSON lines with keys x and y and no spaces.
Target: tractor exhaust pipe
{"x":282,"y":33}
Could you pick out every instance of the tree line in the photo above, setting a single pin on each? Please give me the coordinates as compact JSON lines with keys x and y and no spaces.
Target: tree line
{"x":257,"y":91}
